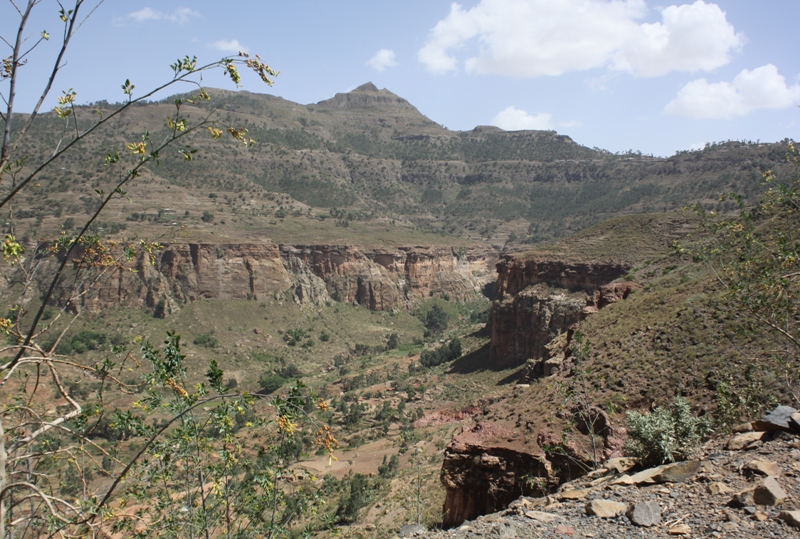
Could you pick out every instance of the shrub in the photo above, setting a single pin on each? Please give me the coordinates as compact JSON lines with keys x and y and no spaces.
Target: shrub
{"x":206,"y":339}
{"x":359,"y":495}
{"x":666,"y":434}
{"x":270,"y":383}
{"x":443,"y":354}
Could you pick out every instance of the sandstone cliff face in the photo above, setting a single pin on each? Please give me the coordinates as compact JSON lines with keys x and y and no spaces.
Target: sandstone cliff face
{"x":536,"y":300}
{"x":487,"y":466}
{"x":536,"y":304}
{"x":380,"y":279}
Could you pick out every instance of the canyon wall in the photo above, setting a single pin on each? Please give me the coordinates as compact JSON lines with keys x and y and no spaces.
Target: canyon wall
{"x":508,"y":454}
{"x":536,"y":300}
{"x":380,"y":279}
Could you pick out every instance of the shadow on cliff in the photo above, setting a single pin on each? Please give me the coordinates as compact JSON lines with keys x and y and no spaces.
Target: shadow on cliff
{"x":478,"y":360}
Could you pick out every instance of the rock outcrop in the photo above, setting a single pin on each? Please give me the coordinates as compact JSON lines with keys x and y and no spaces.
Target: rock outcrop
{"x":380,"y":279}
{"x":486,"y":466}
{"x":537,"y":304}
{"x":713,"y":495}
{"x":536,"y":300}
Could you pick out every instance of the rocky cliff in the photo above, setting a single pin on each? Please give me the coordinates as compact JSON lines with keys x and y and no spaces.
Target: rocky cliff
{"x":506,"y":454}
{"x":380,"y":279}
{"x":536,"y":300}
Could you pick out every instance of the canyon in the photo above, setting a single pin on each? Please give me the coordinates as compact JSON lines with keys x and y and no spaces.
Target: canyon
{"x":490,"y":463}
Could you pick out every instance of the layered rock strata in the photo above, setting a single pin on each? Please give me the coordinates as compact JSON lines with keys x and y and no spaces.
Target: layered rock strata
{"x":536,"y":300}
{"x":537,"y":304}
{"x":380,"y":279}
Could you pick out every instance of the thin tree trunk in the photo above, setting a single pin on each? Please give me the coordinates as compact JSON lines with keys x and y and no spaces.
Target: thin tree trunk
{"x":3,"y":479}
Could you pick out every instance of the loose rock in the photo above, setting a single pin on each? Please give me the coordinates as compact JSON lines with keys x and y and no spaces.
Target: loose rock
{"x":792,"y":518}
{"x":677,"y":472}
{"x":574,"y":494}
{"x":763,"y":467}
{"x":410,"y":530}
{"x":719,"y":488}
{"x":541,"y":516}
{"x":680,"y":529}
{"x":740,"y":441}
{"x":769,"y":492}
{"x":564,"y":530}
{"x":645,"y":514}
{"x":777,"y":420}
{"x":605,"y":508}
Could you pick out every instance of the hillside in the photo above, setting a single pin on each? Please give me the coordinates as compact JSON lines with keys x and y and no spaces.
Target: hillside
{"x":427,"y":285}
{"x":369,"y":163}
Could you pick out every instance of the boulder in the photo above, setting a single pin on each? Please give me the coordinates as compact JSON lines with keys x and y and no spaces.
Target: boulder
{"x":677,"y":472}
{"x":620,"y":465}
{"x":645,"y":514}
{"x":769,"y":492}
{"x":762,"y":467}
{"x":778,"y":419}
{"x":605,"y":508}
{"x":645,"y":476}
{"x":744,"y":427}
{"x":792,"y":518}
{"x":794,"y":422}
{"x":741,"y":441}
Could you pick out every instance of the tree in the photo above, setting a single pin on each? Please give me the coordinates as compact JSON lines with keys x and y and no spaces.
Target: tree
{"x":436,"y":320}
{"x":755,"y":257}
{"x":191,"y":473}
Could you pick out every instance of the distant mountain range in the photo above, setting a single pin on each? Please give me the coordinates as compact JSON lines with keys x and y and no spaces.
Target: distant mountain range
{"x":370,"y":154}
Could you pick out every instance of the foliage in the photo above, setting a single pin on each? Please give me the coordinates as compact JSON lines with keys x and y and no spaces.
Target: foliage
{"x":665,"y":434}
{"x":270,"y":383}
{"x":388,"y":469}
{"x":358,"y":495}
{"x":186,"y":466}
{"x":436,"y":320}
{"x":587,"y":414}
{"x":447,"y":352}
{"x":755,"y":256}
{"x":207,"y":340}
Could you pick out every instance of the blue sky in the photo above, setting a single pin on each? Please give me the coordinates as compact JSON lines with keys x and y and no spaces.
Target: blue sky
{"x":616,"y":74}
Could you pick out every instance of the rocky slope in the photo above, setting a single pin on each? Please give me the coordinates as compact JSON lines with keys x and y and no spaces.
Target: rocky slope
{"x":743,"y":486}
{"x":380,"y":279}
{"x":536,"y":301}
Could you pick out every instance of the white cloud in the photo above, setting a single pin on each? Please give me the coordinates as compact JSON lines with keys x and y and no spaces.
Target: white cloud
{"x":180,"y":15}
{"x":514,"y":119}
{"x":382,"y":59}
{"x":229,"y":46}
{"x":531,"y":38}
{"x":761,"y":88}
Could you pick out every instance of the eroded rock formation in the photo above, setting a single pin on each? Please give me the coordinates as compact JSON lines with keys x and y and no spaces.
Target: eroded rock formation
{"x":536,"y":307}
{"x":380,"y":279}
{"x":487,"y":466}
{"x":536,"y":300}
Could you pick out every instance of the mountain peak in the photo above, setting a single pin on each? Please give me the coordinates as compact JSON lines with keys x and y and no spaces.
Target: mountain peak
{"x":367,"y":87}
{"x":367,"y":96}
